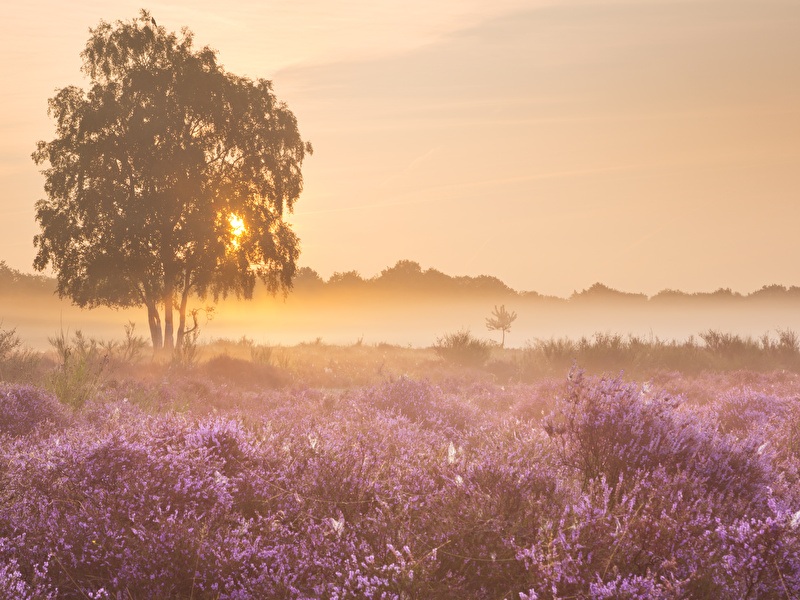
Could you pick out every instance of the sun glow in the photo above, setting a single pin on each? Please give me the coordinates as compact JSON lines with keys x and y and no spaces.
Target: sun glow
{"x":237,"y":228}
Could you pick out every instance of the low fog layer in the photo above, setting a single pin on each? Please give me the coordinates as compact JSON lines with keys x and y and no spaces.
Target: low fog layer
{"x":405,"y":305}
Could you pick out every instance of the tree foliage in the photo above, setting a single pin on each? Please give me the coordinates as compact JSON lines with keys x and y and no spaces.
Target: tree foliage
{"x":501,"y":320}
{"x":150,"y":169}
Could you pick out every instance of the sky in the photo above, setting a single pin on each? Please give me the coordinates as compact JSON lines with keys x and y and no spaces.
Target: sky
{"x":646,"y":145}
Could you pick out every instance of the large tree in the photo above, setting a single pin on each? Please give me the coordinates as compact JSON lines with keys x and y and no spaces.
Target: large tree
{"x":169,"y":177}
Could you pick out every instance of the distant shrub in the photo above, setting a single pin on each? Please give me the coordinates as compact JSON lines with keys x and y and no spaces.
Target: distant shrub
{"x":227,"y":369}
{"x":261,"y":355}
{"x":463,"y":349}
{"x":733,"y":350}
{"x":9,"y":342}
{"x":504,"y":371}
{"x":23,"y":408}
{"x":23,"y":366}
{"x":16,"y":363}
{"x":714,"y":350}
{"x":726,"y":350}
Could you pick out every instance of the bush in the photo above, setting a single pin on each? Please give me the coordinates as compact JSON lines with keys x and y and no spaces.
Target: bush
{"x":81,"y":369}
{"x":463,"y":349}
{"x":606,"y":429}
{"x":423,"y":403}
{"x":9,"y":342}
{"x":662,"y":538}
{"x":23,"y":408}
{"x":746,"y":411}
{"x":17,"y":364}
{"x":237,"y":371}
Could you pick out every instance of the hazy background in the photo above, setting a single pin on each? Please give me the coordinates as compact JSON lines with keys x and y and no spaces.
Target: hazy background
{"x":645,"y":145}
{"x":406,"y":305}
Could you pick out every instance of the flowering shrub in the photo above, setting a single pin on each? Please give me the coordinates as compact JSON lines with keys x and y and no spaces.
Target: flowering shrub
{"x":745,"y":411}
{"x":408,"y":490}
{"x":23,"y":408}
{"x":424,"y":403}
{"x":616,"y":431}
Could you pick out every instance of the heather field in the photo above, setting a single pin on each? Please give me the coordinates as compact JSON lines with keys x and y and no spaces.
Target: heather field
{"x":562,"y":362}
{"x":315,"y":471}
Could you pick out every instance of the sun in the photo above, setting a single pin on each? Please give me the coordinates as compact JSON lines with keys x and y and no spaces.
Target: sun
{"x":237,"y":228}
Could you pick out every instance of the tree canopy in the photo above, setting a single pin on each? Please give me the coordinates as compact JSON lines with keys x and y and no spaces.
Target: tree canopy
{"x":501,"y":320}
{"x":168,"y":177}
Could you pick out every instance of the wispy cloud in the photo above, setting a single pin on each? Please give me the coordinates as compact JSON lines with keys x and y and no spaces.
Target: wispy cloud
{"x":445,"y":192}
{"x":410,"y":166}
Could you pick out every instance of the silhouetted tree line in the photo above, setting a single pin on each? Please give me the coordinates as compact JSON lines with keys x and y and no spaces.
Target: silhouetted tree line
{"x":405,"y":276}
{"x":13,"y":282}
{"x":408,"y":277}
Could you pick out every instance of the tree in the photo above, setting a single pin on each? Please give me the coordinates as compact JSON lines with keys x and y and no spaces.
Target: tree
{"x":501,"y":320}
{"x":402,"y":272}
{"x":346,"y":279}
{"x":169,"y":177}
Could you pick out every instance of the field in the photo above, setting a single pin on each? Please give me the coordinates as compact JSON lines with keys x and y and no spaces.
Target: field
{"x":377,"y":471}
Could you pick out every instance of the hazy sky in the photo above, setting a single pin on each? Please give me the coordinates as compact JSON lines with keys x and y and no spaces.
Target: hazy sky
{"x":643,"y":144}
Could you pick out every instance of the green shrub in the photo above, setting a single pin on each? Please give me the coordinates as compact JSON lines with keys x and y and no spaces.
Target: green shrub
{"x":82,"y":365}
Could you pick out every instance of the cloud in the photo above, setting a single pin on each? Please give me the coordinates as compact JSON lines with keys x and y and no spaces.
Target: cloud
{"x":449,"y":192}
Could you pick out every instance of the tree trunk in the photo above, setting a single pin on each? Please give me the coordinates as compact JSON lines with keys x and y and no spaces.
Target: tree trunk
{"x":169,"y":299}
{"x":181,"y":321}
{"x":154,"y":321}
{"x":182,"y":315}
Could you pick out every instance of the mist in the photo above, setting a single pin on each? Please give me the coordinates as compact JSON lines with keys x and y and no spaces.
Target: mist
{"x":406,"y":306}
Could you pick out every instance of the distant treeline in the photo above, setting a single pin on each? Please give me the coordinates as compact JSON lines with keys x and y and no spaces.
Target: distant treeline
{"x":408,"y":277}
{"x":16,"y":282}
